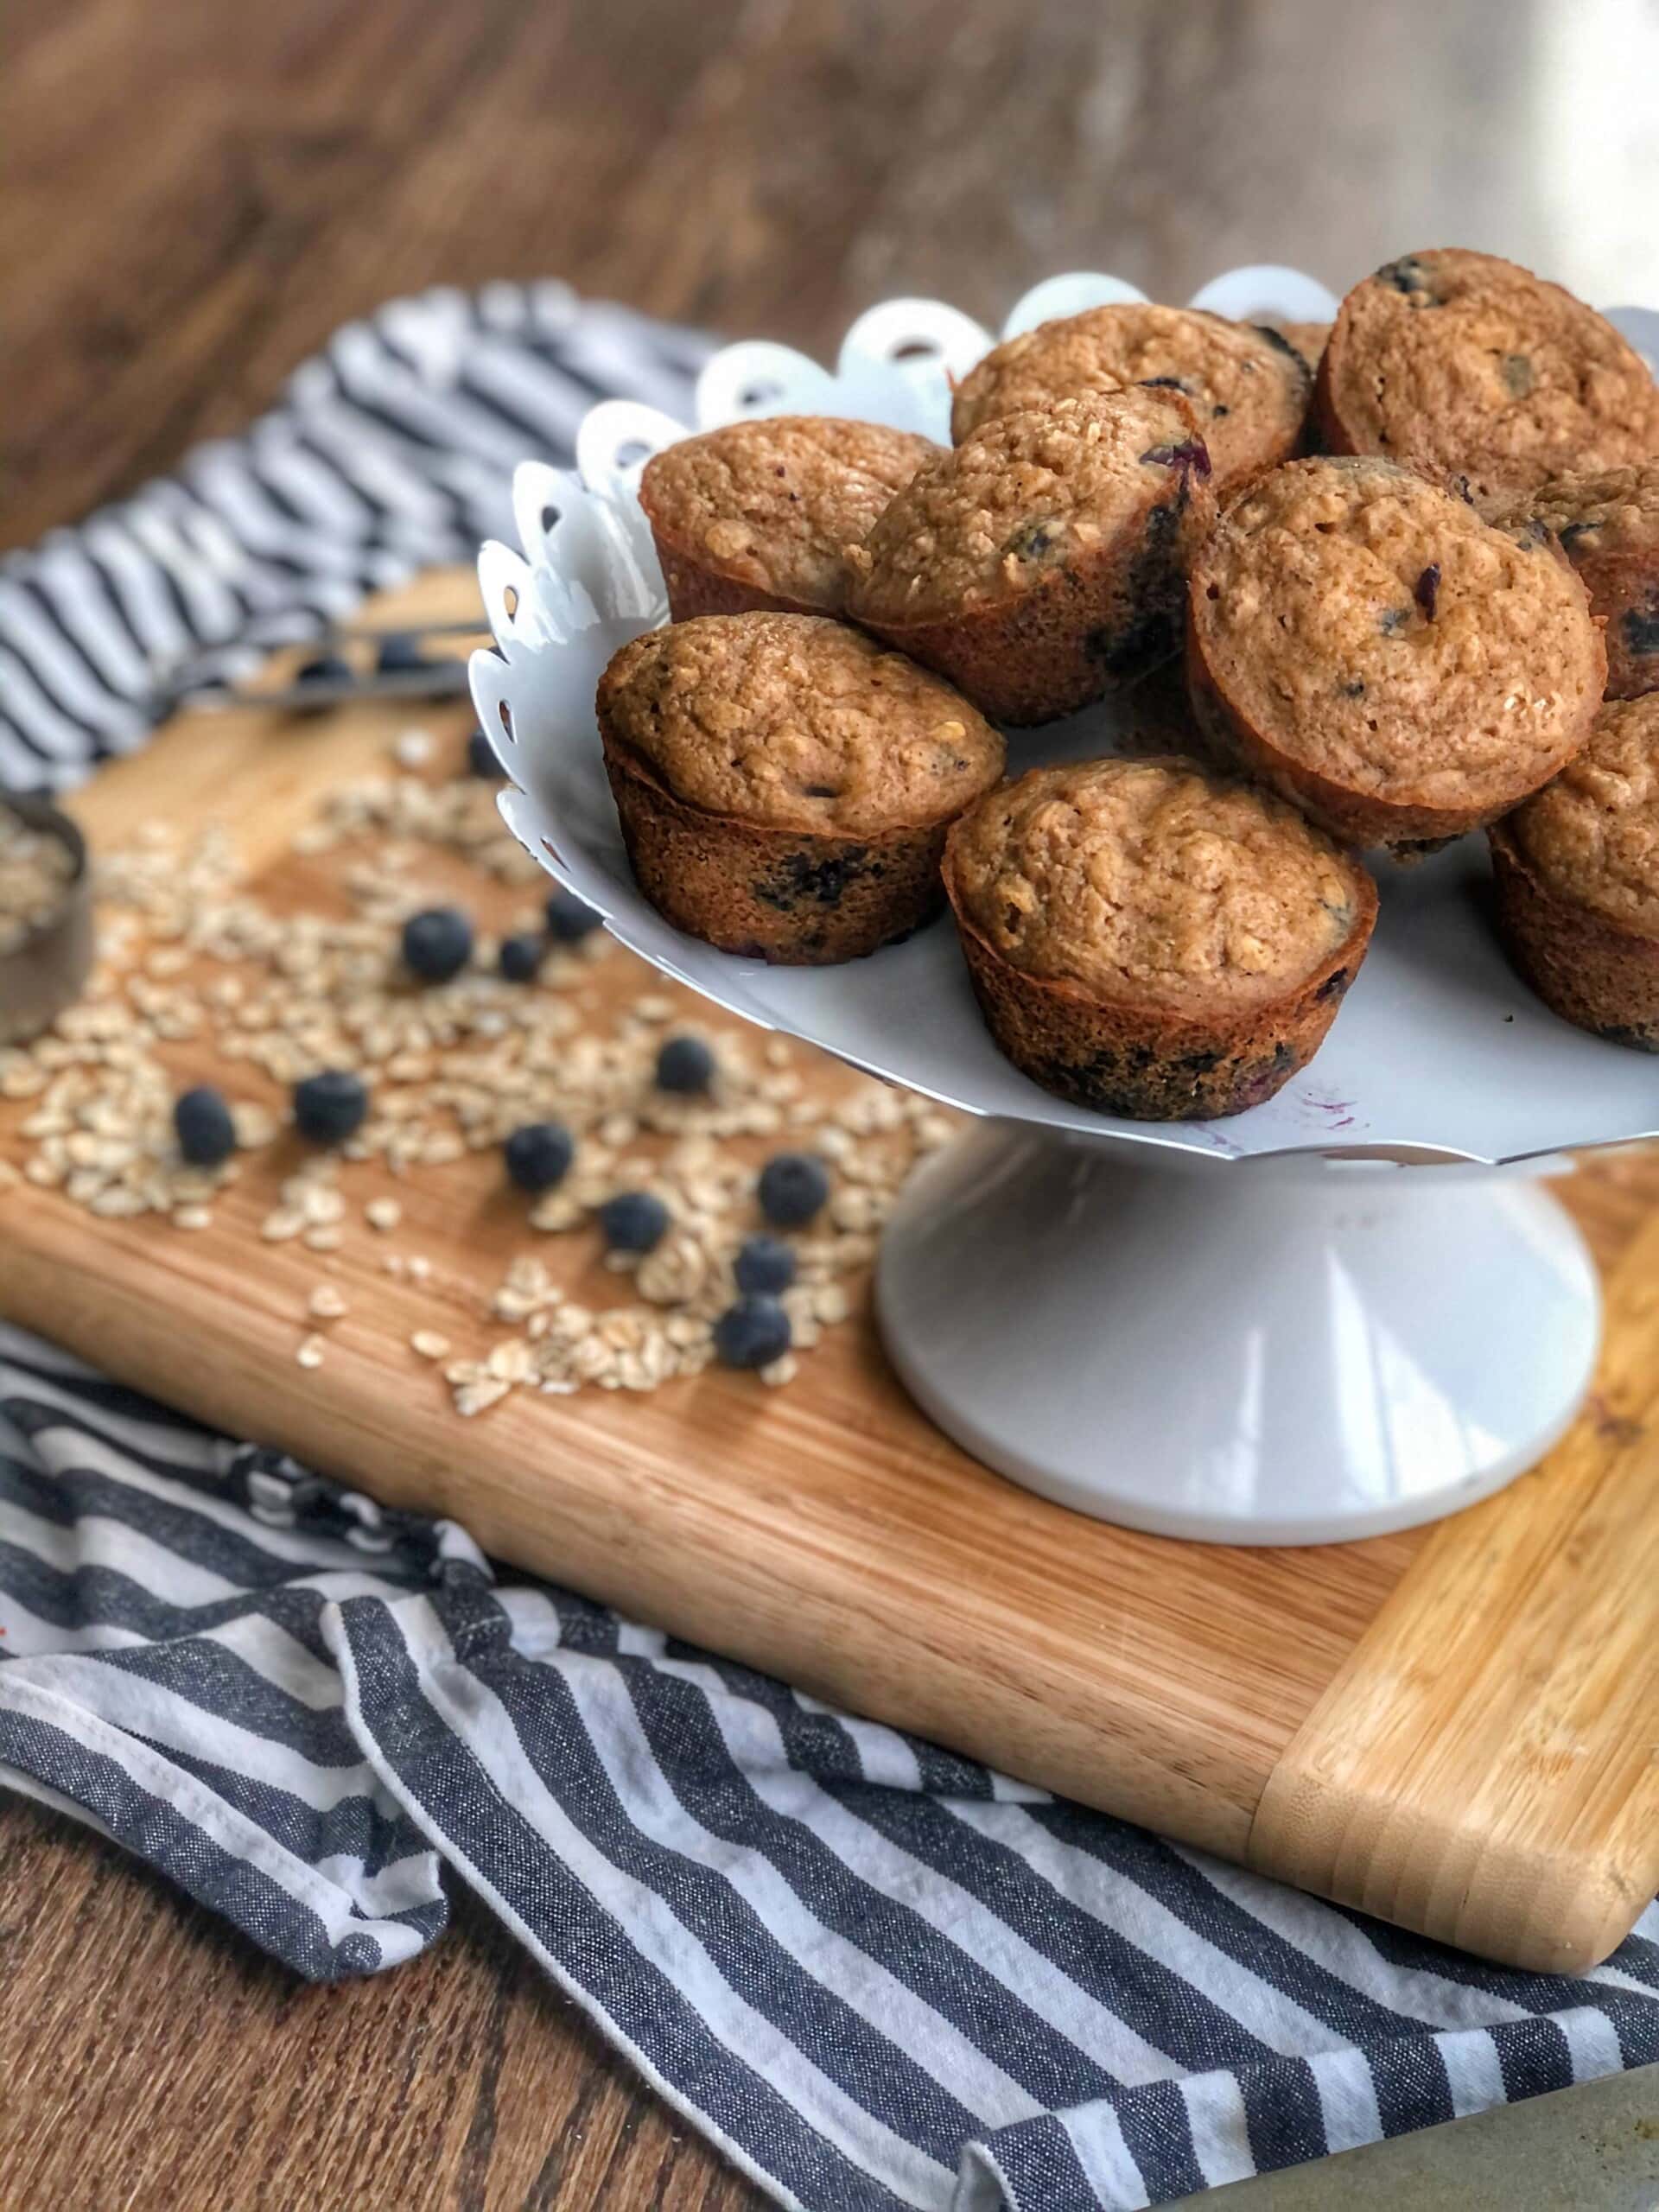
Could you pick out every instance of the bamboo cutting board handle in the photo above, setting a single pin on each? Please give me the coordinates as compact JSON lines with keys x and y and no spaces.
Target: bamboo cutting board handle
{"x":1484,"y":1766}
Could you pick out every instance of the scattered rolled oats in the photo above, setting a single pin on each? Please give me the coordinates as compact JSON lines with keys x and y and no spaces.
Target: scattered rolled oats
{"x":190,"y":951}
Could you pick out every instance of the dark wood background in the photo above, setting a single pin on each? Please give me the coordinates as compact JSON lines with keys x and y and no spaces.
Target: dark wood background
{"x":196,"y":193}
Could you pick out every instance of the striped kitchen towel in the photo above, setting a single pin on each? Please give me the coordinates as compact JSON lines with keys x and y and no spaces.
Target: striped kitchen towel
{"x":875,"y":1974}
{"x":392,"y":451}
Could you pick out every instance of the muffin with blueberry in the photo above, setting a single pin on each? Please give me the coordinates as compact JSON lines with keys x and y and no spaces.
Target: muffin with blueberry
{"x":1401,"y":670}
{"x":1040,"y":563}
{"x":1152,"y":940}
{"x":1608,"y":525}
{"x":1578,"y":881}
{"x":1473,"y":369}
{"x":784,"y":782}
{"x":758,"y":514}
{"x":1249,"y":388}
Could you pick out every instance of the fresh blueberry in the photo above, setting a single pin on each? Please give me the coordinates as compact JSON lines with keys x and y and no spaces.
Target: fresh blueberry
{"x":203,"y":1122}
{"x":753,"y":1333}
{"x":568,"y":920}
{"x":764,"y":1263}
{"x":633,"y":1221}
{"x":400,"y":654}
{"x":480,"y":759}
{"x":438,"y":944}
{"x":538,"y":1155}
{"x":794,"y":1187}
{"x":327,"y":668}
{"x":520,"y":958}
{"x":685,"y":1065}
{"x":330,"y":1107}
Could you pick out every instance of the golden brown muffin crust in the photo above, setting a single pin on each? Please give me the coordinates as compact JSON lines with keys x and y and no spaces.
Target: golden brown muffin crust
{"x":1024,"y":494}
{"x":1592,"y":835}
{"x":1470,"y":365}
{"x":1248,"y":389}
{"x":794,"y":721}
{"x":772,"y":502}
{"x":1150,"y":881}
{"x":1389,"y":639}
{"x":1613,"y":509}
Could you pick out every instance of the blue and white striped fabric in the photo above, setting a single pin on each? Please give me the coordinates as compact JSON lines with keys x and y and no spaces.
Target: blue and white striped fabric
{"x":392,"y":451}
{"x":875,"y":1974}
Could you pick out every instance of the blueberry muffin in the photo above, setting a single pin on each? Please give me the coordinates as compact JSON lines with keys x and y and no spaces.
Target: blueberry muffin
{"x":1472,"y":368}
{"x":1153,"y":941}
{"x":1578,"y":881}
{"x":758,"y":514}
{"x":784,"y":782}
{"x":1247,"y":387}
{"x":1608,"y":525}
{"x":1040,"y":563}
{"x":1398,"y":668}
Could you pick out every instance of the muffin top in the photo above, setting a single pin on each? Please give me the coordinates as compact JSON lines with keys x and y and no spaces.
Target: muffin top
{"x":1471,"y":366}
{"x":1150,"y":881}
{"x":1248,"y":388}
{"x":1376,"y":632}
{"x":1025,"y":495}
{"x":1592,"y":835}
{"x":772,"y":502}
{"x":1611,"y":513}
{"x":793,"y":721}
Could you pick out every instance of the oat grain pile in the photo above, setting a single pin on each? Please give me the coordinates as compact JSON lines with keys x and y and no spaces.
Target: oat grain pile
{"x":34,"y":873}
{"x":203,"y":976}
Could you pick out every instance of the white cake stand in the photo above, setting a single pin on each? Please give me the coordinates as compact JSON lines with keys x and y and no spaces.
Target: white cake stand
{"x":1348,"y":1311}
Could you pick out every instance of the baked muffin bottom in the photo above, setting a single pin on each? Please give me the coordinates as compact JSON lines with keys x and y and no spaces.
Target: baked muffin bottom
{"x":1578,"y":881}
{"x":1145,"y":1065}
{"x":1342,"y":623}
{"x":1473,"y":368}
{"x":1040,"y":564}
{"x":1148,"y":941}
{"x":1583,"y":966}
{"x":784,"y":896}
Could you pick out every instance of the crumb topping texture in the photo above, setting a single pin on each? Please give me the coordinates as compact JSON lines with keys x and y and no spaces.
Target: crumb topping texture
{"x":1249,"y":390}
{"x":1470,"y":364}
{"x":1377,"y":632}
{"x":1592,"y":835}
{"x":772,"y":502}
{"x":1151,"y":880}
{"x":797,"y":723}
{"x":1024,"y":495}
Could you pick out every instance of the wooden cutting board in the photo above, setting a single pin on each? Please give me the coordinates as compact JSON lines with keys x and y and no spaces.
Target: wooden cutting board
{"x":1456,"y":1728}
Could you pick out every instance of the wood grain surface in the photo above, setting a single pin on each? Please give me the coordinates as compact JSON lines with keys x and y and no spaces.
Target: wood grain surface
{"x":1499,"y":1711}
{"x":195,"y":196}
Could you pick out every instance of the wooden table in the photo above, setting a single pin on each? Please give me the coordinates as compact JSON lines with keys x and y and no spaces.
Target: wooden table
{"x":197,"y":195}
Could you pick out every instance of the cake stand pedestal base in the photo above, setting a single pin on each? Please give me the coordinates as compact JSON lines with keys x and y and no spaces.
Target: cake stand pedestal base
{"x":1280,"y":1353}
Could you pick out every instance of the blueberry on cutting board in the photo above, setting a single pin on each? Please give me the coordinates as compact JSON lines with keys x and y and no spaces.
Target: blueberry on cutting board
{"x":330,"y":1107}
{"x":753,"y":1333}
{"x":202,"y":1123}
{"x":794,"y":1187}
{"x":539,"y":1154}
